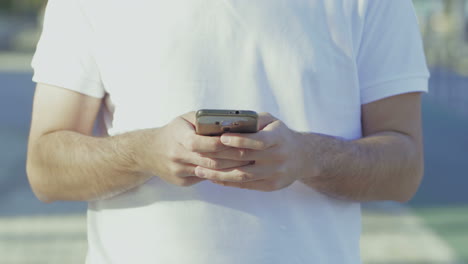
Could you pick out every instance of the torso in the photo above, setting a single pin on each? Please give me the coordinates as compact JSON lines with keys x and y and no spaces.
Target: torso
{"x":292,"y":58}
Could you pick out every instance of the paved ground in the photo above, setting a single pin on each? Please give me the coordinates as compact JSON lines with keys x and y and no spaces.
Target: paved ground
{"x":395,"y":237}
{"x":31,"y":232}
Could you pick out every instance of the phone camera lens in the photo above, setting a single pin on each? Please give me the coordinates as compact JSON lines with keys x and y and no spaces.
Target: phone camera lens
{"x":237,"y":112}
{"x":217,"y":122}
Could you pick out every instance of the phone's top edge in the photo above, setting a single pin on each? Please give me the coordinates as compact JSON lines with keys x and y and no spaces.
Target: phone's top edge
{"x":225,"y":112}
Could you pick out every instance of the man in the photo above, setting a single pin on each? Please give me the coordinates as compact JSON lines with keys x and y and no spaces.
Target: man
{"x":338,"y":82}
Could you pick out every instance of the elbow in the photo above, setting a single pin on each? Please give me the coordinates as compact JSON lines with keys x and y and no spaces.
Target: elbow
{"x":404,"y":197}
{"x":44,"y":198}
{"x":410,"y":185}
{"x":38,"y":184}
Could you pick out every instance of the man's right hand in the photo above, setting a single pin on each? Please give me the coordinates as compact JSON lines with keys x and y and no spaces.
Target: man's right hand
{"x":172,"y":152}
{"x":66,"y":162}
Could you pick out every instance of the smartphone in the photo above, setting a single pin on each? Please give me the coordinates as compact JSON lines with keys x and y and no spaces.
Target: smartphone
{"x":214,"y":122}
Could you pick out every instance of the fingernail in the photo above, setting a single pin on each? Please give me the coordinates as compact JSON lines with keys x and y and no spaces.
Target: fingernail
{"x":225,"y":139}
{"x":199,"y":172}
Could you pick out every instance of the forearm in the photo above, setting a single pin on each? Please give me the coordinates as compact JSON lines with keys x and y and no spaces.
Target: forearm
{"x":384,"y":166}
{"x":65,"y":165}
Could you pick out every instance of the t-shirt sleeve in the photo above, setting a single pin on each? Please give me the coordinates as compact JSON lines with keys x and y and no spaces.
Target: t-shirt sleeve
{"x":64,"y":54}
{"x":391,"y":57}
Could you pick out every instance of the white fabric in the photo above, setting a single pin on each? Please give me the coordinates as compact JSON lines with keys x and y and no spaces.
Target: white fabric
{"x":311,"y":63}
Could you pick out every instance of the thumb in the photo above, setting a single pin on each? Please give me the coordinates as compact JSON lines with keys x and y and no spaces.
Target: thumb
{"x":264,"y":119}
{"x":189,"y":117}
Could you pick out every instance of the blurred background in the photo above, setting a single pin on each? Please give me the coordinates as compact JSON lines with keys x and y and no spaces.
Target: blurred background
{"x":432,"y":228}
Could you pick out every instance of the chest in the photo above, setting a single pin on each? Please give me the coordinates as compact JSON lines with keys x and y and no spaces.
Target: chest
{"x":197,"y":37}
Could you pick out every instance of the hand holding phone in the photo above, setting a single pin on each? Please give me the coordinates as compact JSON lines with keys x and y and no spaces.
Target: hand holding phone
{"x":214,"y":122}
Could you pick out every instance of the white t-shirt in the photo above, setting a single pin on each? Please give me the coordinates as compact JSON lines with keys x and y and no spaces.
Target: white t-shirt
{"x":311,"y":63}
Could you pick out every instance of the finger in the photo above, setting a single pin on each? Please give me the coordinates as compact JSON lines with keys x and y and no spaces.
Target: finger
{"x":260,"y":185}
{"x":197,"y":143}
{"x":183,"y":170}
{"x":186,"y":181}
{"x":264,"y":119}
{"x":190,"y":117}
{"x":207,"y":162}
{"x":258,"y":141}
{"x":218,"y":164}
{"x":238,"y":154}
{"x":191,"y":180}
{"x":221,"y":164}
{"x":242,"y":174}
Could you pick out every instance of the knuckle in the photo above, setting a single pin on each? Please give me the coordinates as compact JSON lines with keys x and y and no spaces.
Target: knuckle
{"x":173,"y":155}
{"x":177,"y":171}
{"x":243,"y":176}
{"x":217,"y":146}
{"x":278,"y":123}
{"x":243,"y":153}
{"x":260,"y":144}
{"x":190,"y":144}
{"x":213,"y":164}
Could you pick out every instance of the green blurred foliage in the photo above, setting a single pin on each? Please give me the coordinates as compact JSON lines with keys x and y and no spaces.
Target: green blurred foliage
{"x":444,"y":24}
{"x":21,"y":6}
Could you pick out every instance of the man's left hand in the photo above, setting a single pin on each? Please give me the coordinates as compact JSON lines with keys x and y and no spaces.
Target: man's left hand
{"x":274,"y":152}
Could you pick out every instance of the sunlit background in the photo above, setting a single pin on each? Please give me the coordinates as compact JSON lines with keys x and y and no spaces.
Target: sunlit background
{"x":432,"y":228}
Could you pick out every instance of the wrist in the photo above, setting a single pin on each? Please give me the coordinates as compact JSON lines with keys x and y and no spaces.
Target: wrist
{"x":329,"y":155}
{"x":148,"y":149}
{"x":310,"y":164}
{"x":133,"y":148}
